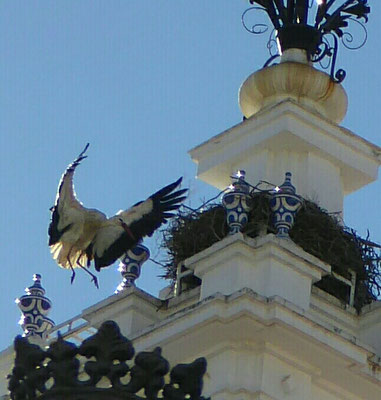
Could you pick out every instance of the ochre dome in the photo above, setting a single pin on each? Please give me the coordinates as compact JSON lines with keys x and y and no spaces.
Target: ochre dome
{"x":295,"y":80}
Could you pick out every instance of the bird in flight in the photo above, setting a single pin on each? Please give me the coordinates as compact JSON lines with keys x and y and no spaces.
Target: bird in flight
{"x":80,"y":235}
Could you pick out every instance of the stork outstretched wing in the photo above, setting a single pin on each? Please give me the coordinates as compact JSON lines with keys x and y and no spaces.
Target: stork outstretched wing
{"x":127,"y":228}
{"x":78,"y":235}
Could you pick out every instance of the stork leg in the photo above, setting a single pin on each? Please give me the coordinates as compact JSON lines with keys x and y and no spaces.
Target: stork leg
{"x":72,"y":275}
{"x":71,"y":266}
{"x":94,"y":278}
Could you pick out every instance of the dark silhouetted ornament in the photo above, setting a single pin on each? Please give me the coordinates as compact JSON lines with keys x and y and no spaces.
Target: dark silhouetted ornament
{"x":61,"y":372}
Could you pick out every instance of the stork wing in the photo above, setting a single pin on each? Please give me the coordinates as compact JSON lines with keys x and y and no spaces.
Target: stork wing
{"x":67,"y":212}
{"x":123,"y":231}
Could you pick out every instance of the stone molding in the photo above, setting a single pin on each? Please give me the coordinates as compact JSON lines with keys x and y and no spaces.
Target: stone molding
{"x":269,"y":265}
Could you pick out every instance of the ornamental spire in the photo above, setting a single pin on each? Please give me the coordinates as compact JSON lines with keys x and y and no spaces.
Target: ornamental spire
{"x":35,"y":306}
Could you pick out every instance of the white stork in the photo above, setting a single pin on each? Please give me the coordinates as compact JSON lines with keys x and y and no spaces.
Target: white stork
{"x":78,"y":235}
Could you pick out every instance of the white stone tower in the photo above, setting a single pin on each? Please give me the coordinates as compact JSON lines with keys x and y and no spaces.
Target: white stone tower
{"x":293,"y":112}
{"x":266,"y":331}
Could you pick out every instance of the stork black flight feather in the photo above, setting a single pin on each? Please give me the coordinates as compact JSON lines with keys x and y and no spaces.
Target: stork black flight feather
{"x":78,"y":235}
{"x":141,"y":220}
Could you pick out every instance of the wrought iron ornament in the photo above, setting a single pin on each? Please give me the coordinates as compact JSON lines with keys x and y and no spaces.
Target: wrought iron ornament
{"x":62,"y":371}
{"x":312,"y":25}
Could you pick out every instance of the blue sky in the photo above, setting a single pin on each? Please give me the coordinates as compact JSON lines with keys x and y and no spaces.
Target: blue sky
{"x":143,"y":82}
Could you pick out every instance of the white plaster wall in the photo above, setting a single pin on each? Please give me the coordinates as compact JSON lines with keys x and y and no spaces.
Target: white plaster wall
{"x":132,"y":310}
{"x":314,"y":177}
{"x":370,"y":327}
{"x":268,"y":265}
{"x":318,"y":393}
{"x":256,"y":373}
{"x":232,"y":371}
{"x":322,"y":183}
{"x":283,"y":381}
{"x":327,"y":161}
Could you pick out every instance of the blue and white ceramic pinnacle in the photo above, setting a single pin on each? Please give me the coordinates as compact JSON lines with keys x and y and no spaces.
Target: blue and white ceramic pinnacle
{"x":35,"y":307}
{"x":131,"y":264}
{"x":284,"y":204}
{"x":237,"y":203}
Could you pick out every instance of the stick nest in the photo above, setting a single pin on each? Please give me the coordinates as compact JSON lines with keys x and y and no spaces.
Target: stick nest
{"x":315,"y":231}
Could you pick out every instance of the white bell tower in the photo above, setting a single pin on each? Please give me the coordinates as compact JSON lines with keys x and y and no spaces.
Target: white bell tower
{"x":266,"y":331}
{"x":293,"y":111}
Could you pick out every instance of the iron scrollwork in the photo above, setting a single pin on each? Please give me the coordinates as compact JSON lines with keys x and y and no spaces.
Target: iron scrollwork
{"x":61,"y":372}
{"x":313,"y":25}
